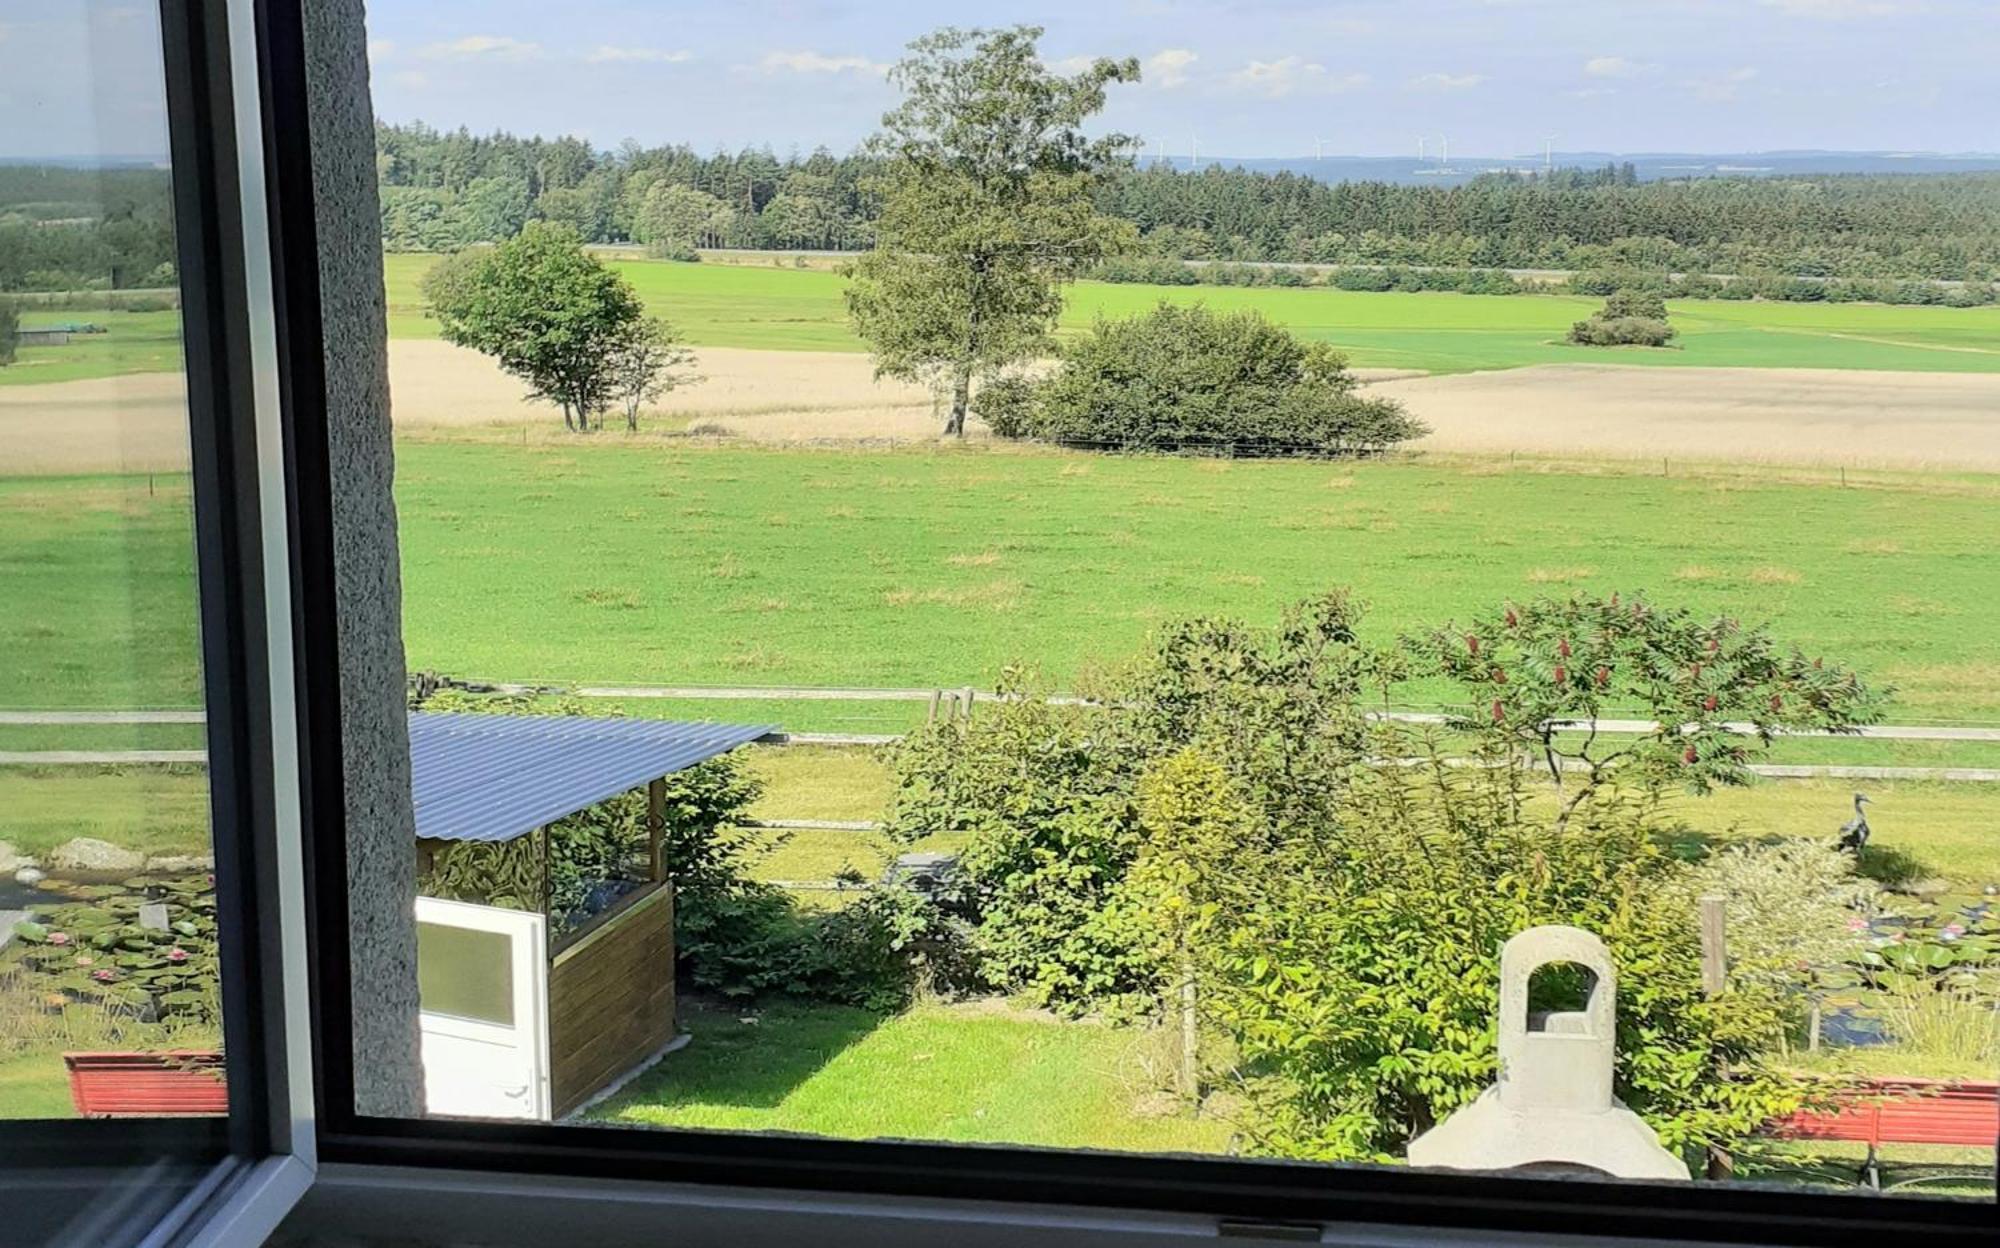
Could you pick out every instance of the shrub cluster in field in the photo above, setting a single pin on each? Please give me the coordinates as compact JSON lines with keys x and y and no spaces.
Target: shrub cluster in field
{"x":1155,"y":270}
{"x":1163,"y":271}
{"x":1629,"y":318}
{"x":1782,"y":288}
{"x":1181,"y":377}
{"x":1222,"y":819}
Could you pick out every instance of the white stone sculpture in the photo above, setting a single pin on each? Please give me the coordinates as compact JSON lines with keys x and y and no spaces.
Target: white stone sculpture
{"x":1552,"y":1107}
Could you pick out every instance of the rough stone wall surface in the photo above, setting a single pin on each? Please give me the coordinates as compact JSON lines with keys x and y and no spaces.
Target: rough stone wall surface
{"x":381,"y":830}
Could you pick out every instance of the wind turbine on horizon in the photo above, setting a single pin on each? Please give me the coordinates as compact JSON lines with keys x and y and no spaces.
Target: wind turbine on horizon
{"x":1549,"y":152}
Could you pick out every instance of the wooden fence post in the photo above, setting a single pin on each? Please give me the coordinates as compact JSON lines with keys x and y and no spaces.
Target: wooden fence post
{"x":1190,"y":1070}
{"x":656,"y":829}
{"x":1714,"y":946}
{"x":1714,"y":978}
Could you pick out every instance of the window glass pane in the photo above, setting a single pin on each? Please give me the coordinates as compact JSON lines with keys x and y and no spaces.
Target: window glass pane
{"x":1320,"y":569}
{"x":109,"y":1004}
{"x":466,"y":973}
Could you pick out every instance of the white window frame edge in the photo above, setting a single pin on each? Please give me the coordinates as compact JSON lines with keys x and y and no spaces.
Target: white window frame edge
{"x":260,"y":1200}
{"x":444,"y":1206}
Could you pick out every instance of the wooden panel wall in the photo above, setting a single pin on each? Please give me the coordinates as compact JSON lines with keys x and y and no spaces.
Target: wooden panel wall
{"x":611,"y":999}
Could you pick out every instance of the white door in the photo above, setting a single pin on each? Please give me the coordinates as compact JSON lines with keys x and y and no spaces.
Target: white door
{"x":482,"y":975}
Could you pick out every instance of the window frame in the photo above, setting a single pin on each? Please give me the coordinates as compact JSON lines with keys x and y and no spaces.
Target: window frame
{"x":259,"y":1158}
{"x":1294,"y":1195}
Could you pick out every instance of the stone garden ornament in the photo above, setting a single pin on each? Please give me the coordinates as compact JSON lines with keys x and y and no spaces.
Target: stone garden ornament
{"x":1552,"y":1107}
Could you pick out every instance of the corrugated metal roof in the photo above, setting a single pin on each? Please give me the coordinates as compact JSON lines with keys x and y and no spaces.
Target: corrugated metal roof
{"x":496,"y":777}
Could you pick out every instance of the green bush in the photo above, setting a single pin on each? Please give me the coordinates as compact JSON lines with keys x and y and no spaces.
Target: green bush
{"x":1624,"y":331}
{"x":1629,"y":318}
{"x":1219,"y":814}
{"x":1186,"y":377}
{"x":1358,"y":975}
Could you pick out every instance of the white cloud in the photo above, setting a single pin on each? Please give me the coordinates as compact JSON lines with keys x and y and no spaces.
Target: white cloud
{"x":820,"y":63}
{"x":1290,"y":75}
{"x":1169,"y":67}
{"x":381,"y":49}
{"x":1845,"y":10}
{"x":1446,"y":82}
{"x":605,"y":54}
{"x":482,"y":47}
{"x":1072,"y":64}
{"x":410,"y":80}
{"x":1611,"y":67}
{"x":1721,"y":89}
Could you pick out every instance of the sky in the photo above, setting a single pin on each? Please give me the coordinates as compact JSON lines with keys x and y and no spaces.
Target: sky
{"x":1238,"y":77}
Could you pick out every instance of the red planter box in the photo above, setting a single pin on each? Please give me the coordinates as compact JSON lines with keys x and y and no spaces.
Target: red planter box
{"x":147,"y":1085}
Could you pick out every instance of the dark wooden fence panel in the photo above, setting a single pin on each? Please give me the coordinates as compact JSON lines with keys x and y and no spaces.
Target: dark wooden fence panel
{"x":611,"y":1000}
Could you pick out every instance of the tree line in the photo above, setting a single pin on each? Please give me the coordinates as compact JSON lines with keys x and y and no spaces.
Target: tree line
{"x":446,"y":189}
{"x":85,"y":229}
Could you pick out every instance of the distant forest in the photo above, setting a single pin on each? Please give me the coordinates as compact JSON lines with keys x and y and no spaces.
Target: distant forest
{"x":443,"y":190}
{"x":66,"y":229}
{"x":85,"y":229}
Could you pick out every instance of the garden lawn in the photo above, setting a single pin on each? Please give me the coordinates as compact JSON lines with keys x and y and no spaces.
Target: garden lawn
{"x":799,"y":310}
{"x":35,"y":1085}
{"x":978,"y":1073}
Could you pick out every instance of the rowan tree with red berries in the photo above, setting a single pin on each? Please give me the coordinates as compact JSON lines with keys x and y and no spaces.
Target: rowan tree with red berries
{"x":1541,"y":678}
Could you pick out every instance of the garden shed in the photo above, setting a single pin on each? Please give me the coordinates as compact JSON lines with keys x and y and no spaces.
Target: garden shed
{"x":545,"y":973}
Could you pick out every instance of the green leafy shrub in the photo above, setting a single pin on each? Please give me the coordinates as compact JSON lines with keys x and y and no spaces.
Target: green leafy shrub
{"x":1630,"y":318}
{"x":1359,"y":975}
{"x":1042,"y":795}
{"x":1528,"y":671}
{"x":1182,"y":377}
{"x":1224,"y":814}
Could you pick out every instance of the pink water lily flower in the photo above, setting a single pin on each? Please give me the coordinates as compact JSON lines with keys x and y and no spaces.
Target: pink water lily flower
{"x":84,"y":959}
{"x":1857,"y":924}
{"x":104,"y":977}
{"x":177,"y":954}
{"x":58,"y":938}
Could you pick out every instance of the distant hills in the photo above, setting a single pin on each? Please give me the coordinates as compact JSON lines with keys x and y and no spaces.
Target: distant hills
{"x":1650,"y":166}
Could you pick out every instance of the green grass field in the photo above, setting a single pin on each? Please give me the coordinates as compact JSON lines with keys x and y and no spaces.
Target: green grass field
{"x":802,"y":310}
{"x":133,"y":342}
{"x":609,"y":561}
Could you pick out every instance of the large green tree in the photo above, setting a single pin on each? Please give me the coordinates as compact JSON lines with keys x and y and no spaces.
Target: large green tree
{"x":546,"y":310}
{"x":987,"y":187}
{"x":10,"y":326}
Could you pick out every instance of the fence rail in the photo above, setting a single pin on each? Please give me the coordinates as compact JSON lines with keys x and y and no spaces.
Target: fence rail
{"x":827,"y":693}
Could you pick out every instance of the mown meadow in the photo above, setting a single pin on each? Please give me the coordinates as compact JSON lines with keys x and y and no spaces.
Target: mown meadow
{"x":659,"y":562}
{"x":793,"y":309}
